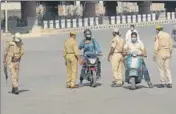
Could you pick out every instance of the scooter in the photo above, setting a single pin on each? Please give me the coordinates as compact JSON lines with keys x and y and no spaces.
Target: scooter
{"x":91,"y":70}
{"x":133,"y":64}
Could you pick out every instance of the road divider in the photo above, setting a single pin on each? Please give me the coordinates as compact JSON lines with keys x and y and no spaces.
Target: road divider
{"x":100,"y":27}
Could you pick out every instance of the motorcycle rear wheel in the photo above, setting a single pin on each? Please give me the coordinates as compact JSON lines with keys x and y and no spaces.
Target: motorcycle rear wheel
{"x":133,"y":83}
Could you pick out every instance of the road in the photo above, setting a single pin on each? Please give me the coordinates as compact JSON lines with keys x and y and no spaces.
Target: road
{"x":43,"y":75}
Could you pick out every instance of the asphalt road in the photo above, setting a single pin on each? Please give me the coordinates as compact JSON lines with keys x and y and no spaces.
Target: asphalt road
{"x":43,"y":75}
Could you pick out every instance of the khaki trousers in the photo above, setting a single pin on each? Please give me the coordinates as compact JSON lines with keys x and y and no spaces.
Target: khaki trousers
{"x":72,"y":68}
{"x":15,"y":73}
{"x":117,"y":67}
{"x":164,"y":69}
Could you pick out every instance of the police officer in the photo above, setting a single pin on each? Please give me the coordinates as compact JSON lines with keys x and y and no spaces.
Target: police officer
{"x":12,"y":57}
{"x":116,"y":58}
{"x":163,"y":51}
{"x":71,"y":60}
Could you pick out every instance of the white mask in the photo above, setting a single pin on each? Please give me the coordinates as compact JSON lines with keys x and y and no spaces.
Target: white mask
{"x":134,"y":40}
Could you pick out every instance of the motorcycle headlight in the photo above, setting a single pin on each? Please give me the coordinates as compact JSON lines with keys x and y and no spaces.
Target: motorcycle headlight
{"x":92,"y":61}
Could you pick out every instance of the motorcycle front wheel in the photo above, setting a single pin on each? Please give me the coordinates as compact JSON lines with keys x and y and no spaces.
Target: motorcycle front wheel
{"x":93,"y":79}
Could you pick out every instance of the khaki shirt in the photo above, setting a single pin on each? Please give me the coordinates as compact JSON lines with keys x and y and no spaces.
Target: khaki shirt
{"x":163,"y":44}
{"x":71,"y":47}
{"x":118,"y":43}
{"x":138,"y":46}
{"x":13,"y":53}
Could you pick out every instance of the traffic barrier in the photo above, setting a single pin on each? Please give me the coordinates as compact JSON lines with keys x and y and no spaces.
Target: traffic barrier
{"x":99,"y":27}
{"x":92,"y":21}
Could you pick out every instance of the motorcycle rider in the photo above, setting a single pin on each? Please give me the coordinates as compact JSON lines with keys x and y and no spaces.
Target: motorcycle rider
{"x":128,"y":34}
{"x":90,"y":48}
{"x":137,"y":45}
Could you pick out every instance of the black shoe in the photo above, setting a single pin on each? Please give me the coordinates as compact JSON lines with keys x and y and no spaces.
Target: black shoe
{"x":150,"y":85}
{"x":16,"y":91}
{"x":169,"y":85}
{"x":13,"y":90}
{"x":161,"y":86}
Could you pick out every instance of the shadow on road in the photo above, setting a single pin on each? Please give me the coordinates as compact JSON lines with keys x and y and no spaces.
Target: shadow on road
{"x":20,"y":91}
{"x":88,"y":84}
{"x":137,"y":87}
{"x":158,"y":86}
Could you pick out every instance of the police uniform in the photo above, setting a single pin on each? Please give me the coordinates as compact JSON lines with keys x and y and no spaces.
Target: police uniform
{"x":13,"y":55}
{"x":71,"y":58}
{"x":117,"y":59}
{"x":163,"y":50}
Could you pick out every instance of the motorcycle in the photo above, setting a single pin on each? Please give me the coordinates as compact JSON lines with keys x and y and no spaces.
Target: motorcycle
{"x":133,"y":73}
{"x":91,"y":70}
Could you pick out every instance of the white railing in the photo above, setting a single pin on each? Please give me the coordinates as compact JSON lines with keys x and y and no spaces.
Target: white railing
{"x":113,"y":20}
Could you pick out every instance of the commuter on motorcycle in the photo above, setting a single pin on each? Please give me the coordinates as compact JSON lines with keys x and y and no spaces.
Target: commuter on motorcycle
{"x":128,"y":34}
{"x":90,"y":48}
{"x":138,"y":46}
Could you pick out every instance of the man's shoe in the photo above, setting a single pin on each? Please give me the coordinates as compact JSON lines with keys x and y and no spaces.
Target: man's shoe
{"x":16,"y":91}
{"x":161,"y":86}
{"x":75,"y":86}
{"x":169,"y":85}
{"x":150,"y":85}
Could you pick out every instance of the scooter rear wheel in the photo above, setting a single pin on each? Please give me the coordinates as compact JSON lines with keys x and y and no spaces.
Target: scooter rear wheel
{"x":133,"y":83}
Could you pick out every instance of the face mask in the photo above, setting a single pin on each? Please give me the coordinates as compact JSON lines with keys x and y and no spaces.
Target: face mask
{"x":133,"y":40}
{"x":88,"y":36}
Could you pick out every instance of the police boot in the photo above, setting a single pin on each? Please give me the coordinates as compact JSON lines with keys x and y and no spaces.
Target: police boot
{"x":16,"y":91}
{"x":13,"y":90}
{"x":169,"y":85}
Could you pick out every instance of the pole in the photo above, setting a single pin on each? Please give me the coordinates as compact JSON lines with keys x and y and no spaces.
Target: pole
{"x":6,"y":18}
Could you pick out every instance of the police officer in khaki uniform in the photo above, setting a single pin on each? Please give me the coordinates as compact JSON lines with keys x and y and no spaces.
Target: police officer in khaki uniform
{"x":116,"y":58}
{"x":12,"y":57}
{"x":71,"y":60}
{"x":163,"y":52}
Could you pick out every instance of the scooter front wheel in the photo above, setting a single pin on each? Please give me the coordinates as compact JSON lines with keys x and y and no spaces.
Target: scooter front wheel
{"x":133,"y":83}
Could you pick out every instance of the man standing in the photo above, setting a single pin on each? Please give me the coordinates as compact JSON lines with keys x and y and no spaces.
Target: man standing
{"x":116,"y":58}
{"x":12,"y":57}
{"x":128,"y":34}
{"x":163,"y":50}
{"x":71,"y":60}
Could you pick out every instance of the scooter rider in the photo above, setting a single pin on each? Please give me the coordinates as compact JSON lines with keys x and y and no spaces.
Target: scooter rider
{"x":137,"y":45}
{"x":90,"y":47}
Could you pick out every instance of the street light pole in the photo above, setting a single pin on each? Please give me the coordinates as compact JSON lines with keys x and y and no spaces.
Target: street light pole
{"x":6,"y":18}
